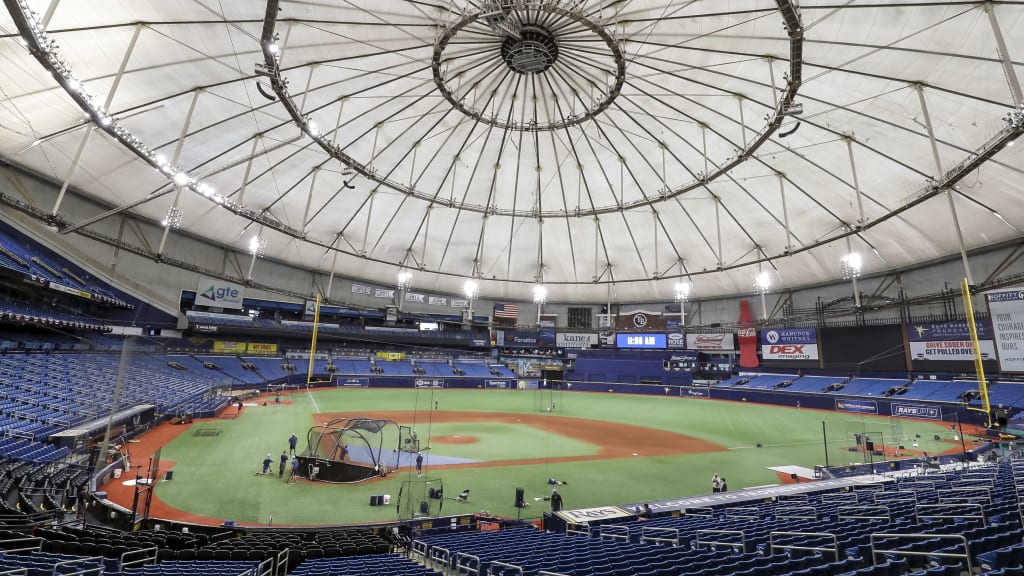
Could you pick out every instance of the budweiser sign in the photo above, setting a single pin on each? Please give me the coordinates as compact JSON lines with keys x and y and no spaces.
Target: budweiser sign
{"x":709,"y":341}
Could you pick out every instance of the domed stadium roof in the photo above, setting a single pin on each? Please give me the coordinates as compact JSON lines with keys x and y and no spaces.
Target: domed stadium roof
{"x":577,"y":143}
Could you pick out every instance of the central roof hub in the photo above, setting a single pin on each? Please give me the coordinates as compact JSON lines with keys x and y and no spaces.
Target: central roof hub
{"x":533,"y":51}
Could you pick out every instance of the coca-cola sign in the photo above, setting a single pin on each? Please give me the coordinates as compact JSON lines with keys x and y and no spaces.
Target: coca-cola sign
{"x":710,"y":341}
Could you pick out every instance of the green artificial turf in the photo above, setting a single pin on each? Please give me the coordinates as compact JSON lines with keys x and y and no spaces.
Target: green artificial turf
{"x":214,"y":476}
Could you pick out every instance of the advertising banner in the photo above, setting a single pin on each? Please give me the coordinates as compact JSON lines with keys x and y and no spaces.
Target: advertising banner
{"x":949,"y":341}
{"x":546,"y":337}
{"x":210,"y":292}
{"x":226,"y":346}
{"x":429,"y":383}
{"x":360,"y":289}
{"x":1007,"y":308}
{"x":262,"y":348}
{"x":654,"y":341}
{"x":497,"y":383}
{"x":789,"y":344}
{"x":640,"y":321}
{"x":586,"y":515}
{"x":916,"y":411}
{"x":391,"y":356}
{"x":675,"y":340}
{"x":710,"y":342}
{"x":413,"y":297}
{"x":747,"y":336}
{"x":516,"y":339}
{"x":360,"y":382}
{"x":858,"y":406}
{"x":693,"y":392}
{"x":575,"y":340}
{"x":460,"y":303}
{"x":437,"y":301}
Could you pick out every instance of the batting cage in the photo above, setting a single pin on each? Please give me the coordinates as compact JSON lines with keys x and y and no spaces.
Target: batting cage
{"x":350,"y":450}
{"x":422,"y":497}
{"x":548,"y":396}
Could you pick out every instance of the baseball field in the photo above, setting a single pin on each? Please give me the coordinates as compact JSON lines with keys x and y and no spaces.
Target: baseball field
{"x":607,"y":448}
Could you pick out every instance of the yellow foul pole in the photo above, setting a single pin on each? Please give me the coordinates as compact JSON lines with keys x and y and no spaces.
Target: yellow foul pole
{"x":312,"y":345}
{"x":978,"y":366}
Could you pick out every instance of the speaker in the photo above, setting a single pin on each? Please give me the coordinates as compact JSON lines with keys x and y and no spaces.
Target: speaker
{"x":424,"y":507}
{"x":869,"y":446}
{"x":169,"y":476}
{"x":520,"y":498}
{"x":374,"y":500}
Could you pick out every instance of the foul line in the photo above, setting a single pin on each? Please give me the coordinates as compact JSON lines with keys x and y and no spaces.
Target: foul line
{"x":316,"y":408}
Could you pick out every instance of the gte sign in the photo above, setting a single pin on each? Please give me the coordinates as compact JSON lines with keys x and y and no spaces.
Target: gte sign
{"x":210,"y":292}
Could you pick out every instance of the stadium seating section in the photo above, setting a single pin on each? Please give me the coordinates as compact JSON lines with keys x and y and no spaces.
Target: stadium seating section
{"x":921,"y":527}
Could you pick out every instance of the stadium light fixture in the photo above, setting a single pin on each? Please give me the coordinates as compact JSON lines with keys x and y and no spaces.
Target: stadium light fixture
{"x":540,"y":294}
{"x":682,"y":290}
{"x":851,"y":265}
{"x":257,"y":246}
{"x":763,"y":282}
{"x":471,"y":289}
{"x":404,"y":279}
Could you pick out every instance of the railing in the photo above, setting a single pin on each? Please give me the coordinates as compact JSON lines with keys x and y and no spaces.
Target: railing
{"x":890,"y":497}
{"x":14,"y":572}
{"x":700,"y":511}
{"x":741,"y":545}
{"x":978,"y":493}
{"x":966,"y":556}
{"x":743,"y":512}
{"x":442,"y":556}
{"x":614,"y":532}
{"x":266,"y":568}
{"x":796,"y":512}
{"x":864,"y":512}
{"x":650,"y":534}
{"x":98,"y":569}
{"x":577,"y":530}
{"x":835,"y":542}
{"x":841,"y":497}
{"x":926,"y":507}
{"x":461,"y":565}
{"x":504,"y":568}
{"x":37,"y":545}
{"x":148,"y":555}
{"x":282,"y":563}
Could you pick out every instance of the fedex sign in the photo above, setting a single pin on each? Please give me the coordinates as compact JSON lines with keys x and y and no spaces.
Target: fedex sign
{"x":789,"y":344}
{"x":210,"y":292}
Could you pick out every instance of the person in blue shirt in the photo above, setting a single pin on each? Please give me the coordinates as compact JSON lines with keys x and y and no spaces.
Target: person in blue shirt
{"x":293,"y":441}
{"x":295,"y":470}
{"x":266,"y":463}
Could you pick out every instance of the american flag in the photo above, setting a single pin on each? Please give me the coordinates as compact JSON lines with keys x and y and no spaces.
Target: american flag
{"x":508,"y":311}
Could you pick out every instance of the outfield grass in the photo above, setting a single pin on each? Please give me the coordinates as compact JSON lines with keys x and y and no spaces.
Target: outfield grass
{"x":215,"y":476}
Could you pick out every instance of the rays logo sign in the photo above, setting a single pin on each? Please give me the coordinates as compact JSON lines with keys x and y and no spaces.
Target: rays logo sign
{"x":210,"y":292}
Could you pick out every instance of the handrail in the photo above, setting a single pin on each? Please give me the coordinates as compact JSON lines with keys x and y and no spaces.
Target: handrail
{"x":796,"y":512}
{"x":835,"y":542}
{"x":702,"y":511}
{"x":793,"y":498}
{"x":142,"y":560}
{"x":615,"y":532}
{"x":546,"y":573}
{"x":957,"y":493}
{"x":890,"y":496}
{"x":572,"y":529}
{"x":654,"y":530}
{"x":504,"y":567}
{"x":958,"y":537}
{"x":282,"y":562}
{"x":867,"y":510}
{"x":868,"y":487}
{"x":38,"y":547}
{"x":742,"y":544}
{"x":743,"y":512}
{"x":265,"y":568}
{"x":443,"y":555}
{"x":98,"y":569}
{"x":459,"y":565}
{"x":839,"y":496}
{"x":979,"y":516}
{"x":14,"y":572}
{"x":419,"y":548}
